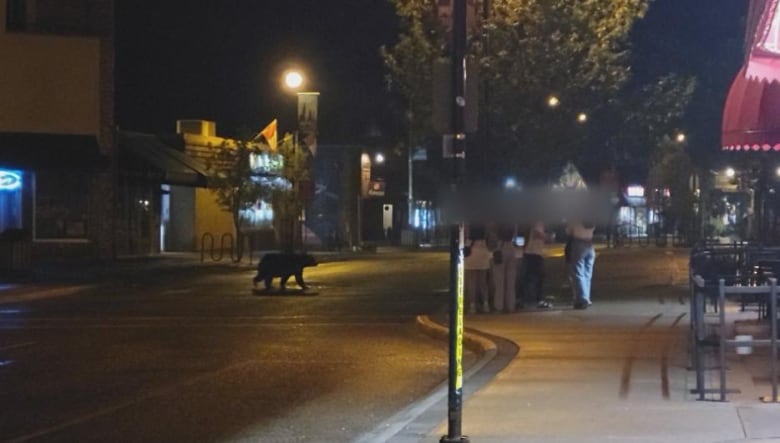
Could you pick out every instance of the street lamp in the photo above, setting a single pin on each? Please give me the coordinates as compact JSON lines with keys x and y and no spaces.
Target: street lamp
{"x":582,"y":118}
{"x":379,"y":158}
{"x":730,"y":172}
{"x":306,"y":128}
{"x":293,"y":80}
{"x":553,"y":101}
{"x":681,"y":138}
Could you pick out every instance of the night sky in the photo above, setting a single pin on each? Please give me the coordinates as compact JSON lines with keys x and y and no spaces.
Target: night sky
{"x":222,"y":59}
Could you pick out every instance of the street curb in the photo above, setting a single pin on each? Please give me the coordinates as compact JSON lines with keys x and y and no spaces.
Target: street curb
{"x":390,"y":428}
{"x":45,"y":293}
{"x":473,"y":342}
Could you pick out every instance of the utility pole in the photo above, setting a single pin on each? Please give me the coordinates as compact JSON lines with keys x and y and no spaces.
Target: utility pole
{"x":458,"y":103}
{"x":410,"y":170}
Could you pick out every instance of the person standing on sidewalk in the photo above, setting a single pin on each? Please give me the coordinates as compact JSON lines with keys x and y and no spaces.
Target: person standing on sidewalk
{"x":580,"y":261}
{"x":533,"y":267}
{"x":476,"y":265}
{"x":504,"y":270}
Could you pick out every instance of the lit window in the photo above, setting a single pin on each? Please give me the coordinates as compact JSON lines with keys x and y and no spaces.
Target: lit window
{"x":62,"y":205}
{"x":10,"y":199}
{"x":772,"y":40}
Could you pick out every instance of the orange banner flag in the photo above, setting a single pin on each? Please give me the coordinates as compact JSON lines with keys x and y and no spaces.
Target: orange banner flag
{"x":270,"y":135}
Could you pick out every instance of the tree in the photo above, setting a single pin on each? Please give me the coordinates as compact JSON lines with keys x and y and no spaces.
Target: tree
{"x":529,"y":51}
{"x":288,"y":200}
{"x":671,"y":170}
{"x":232,"y":180}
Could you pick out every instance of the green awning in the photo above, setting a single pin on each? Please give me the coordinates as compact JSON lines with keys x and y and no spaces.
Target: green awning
{"x":147,"y":154}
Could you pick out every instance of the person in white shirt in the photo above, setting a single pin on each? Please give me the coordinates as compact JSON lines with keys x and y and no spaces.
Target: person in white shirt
{"x":504,"y":270}
{"x":581,"y":257}
{"x":476,"y":265}
{"x":533,"y":266}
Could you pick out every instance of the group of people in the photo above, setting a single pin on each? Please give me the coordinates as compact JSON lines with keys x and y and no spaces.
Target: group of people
{"x":501,"y":273}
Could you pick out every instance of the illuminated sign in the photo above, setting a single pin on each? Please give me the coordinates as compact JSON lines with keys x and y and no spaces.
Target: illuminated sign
{"x":636,"y":191}
{"x":10,"y":180}
{"x":376,"y":188}
{"x":264,"y":163}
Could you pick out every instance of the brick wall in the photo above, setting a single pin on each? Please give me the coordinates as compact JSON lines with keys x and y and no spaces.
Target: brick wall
{"x":91,"y":18}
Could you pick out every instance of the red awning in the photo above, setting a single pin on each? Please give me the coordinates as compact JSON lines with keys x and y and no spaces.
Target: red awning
{"x":751,"y":116}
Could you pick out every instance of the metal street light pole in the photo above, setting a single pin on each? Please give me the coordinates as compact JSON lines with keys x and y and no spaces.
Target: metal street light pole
{"x":459,"y":78}
{"x":294,"y":81}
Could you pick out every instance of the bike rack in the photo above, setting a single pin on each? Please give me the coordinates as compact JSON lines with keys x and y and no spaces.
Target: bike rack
{"x":231,"y":246}
{"x":207,"y":236}
{"x":226,"y":242}
{"x":203,"y":238}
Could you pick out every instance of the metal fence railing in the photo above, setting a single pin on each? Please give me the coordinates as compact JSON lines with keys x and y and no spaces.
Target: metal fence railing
{"x":733,"y":275}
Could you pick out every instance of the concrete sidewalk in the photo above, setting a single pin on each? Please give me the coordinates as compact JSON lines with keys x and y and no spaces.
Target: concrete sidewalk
{"x":615,"y":372}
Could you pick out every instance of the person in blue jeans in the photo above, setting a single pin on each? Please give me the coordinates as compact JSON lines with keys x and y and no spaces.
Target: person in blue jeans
{"x":581,"y":258}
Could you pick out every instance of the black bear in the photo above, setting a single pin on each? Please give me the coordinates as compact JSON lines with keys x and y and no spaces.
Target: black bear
{"x":283,"y":266}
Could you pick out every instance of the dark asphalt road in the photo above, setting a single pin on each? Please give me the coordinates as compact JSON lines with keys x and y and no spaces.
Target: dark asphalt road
{"x":195,"y":356}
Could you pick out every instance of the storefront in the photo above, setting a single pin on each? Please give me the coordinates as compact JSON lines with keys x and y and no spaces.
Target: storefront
{"x":49,"y":184}
{"x":751,"y":132}
{"x":156,"y":185}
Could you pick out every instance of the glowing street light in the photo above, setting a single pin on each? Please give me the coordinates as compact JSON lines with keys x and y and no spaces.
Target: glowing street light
{"x":730,"y":172}
{"x":293,"y":80}
{"x":379,"y":158}
{"x":680,"y":138}
{"x":553,"y":101}
{"x":582,"y":117}
{"x":777,"y":171}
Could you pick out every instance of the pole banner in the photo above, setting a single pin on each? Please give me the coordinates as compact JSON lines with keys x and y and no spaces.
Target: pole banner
{"x":307,"y":119}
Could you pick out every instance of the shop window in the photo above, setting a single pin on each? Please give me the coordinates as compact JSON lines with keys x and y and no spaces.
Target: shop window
{"x":10,"y":199}
{"x":61,"y":205}
{"x":258,"y":216}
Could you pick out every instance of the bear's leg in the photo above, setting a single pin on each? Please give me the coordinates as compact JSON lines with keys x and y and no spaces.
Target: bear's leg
{"x":269,"y":282}
{"x":299,"y":279}
{"x":283,"y":281}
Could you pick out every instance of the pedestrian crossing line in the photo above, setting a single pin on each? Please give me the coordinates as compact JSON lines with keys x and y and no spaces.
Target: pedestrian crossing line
{"x":177,"y":291}
{"x":665,"y":359}
{"x":625,"y":379}
{"x":16,"y":346}
{"x":258,"y":323}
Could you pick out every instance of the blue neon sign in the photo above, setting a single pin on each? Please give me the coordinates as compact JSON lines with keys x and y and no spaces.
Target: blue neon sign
{"x":10,"y":180}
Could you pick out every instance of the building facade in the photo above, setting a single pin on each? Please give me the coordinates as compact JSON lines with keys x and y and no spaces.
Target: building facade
{"x":57,"y":141}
